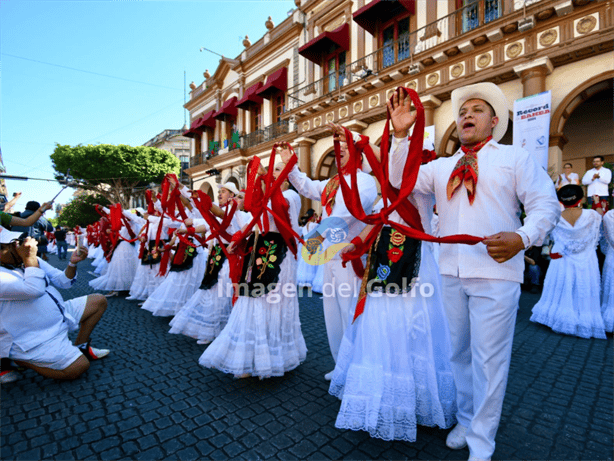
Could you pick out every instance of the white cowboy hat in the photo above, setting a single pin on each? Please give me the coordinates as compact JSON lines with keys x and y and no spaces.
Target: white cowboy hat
{"x":230,"y":186}
{"x":490,"y":93}
{"x":7,"y":236}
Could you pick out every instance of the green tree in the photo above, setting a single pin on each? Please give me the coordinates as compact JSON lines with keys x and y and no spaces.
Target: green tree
{"x":80,"y":211}
{"x":113,"y":171}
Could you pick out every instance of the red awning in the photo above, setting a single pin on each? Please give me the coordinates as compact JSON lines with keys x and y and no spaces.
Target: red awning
{"x":380,"y":11}
{"x":199,"y":125}
{"x":250,"y":97}
{"x":228,"y":110}
{"x":325,"y":43}
{"x":278,"y":80}
{"x":206,"y":121}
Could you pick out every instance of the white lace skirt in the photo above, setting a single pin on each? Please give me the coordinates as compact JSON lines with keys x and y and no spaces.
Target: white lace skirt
{"x":318,"y":279}
{"x":177,"y":288}
{"x":145,"y":281}
{"x":305,"y":273}
{"x":120,"y":271}
{"x":98,"y":257}
{"x":52,"y":248}
{"x":393,"y":370}
{"x":263,"y":336}
{"x":570,"y":299}
{"x":607,"y":291}
{"x":206,"y":313}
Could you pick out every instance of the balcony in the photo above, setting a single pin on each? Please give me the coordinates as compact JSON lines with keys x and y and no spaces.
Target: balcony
{"x":267,"y":134}
{"x":406,"y":48}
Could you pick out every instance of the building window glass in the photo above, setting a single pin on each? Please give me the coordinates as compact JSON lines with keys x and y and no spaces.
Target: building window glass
{"x":334,"y":69}
{"x":395,"y":41}
{"x":279,"y":104}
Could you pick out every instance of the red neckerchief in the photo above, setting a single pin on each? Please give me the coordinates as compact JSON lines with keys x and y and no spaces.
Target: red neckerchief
{"x":393,"y":199}
{"x":332,"y":186}
{"x":466,"y":171}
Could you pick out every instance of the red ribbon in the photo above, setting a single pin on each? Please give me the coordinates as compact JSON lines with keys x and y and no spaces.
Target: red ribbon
{"x":393,"y":199}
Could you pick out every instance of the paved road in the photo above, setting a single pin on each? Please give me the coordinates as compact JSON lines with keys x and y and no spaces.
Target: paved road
{"x":151,"y":400}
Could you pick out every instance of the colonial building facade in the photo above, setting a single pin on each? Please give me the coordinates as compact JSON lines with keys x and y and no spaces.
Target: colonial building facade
{"x":339,"y":61}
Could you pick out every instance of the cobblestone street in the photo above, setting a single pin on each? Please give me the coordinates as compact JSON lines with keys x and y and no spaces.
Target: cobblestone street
{"x":149,"y":399}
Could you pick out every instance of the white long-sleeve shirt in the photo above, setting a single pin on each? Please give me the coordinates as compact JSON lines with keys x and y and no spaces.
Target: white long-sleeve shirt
{"x":28,"y":314}
{"x":508,"y":176}
{"x":313,"y":189}
{"x":597,"y":186}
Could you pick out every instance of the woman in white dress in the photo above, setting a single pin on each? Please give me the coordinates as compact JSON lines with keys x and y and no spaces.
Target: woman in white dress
{"x":305,"y":271}
{"x":120,"y":272}
{"x":263,"y":336}
{"x":147,"y":279}
{"x":607,"y":273}
{"x":393,"y":370}
{"x":181,"y":281}
{"x":206,"y":313}
{"x":570,"y":301}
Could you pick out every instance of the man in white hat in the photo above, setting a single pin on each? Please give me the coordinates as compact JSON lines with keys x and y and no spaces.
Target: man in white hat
{"x":479,"y":191}
{"x":35,"y":320}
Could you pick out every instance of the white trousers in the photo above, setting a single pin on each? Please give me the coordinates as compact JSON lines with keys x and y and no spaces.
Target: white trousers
{"x":340,"y":291}
{"x":482,"y":316}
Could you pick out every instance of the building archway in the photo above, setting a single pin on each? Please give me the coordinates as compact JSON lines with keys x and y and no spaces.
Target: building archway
{"x":582,"y":125}
{"x":232,"y":177}
{"x":207,"y":189}
{"x":327,"y":167}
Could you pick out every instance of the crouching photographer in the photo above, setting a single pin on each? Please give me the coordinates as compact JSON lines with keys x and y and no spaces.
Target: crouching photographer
{"x":35,"y":320}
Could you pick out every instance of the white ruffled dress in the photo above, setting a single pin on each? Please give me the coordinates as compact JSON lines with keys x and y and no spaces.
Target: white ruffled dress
{"x":393,"y":369}
{"x":206,"y":313}
{"x":305,"y":273}
{"x":263,"y":336}
{"x":607,"y":273}
{"x":119,"y":273}
{"x":570,"y":301}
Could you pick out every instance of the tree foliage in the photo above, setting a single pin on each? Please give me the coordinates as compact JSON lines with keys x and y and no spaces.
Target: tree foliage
{"x":81,"y":210}
{"x":113,"y":171}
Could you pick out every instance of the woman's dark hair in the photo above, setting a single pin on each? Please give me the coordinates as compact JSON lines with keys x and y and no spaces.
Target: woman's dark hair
{"x":306,"y":217}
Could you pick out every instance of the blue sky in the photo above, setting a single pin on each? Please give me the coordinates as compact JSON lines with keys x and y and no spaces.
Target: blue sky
{"x":89,"y":72}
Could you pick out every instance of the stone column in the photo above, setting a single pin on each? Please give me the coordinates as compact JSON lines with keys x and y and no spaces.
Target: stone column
{"x":304,"y":164}
{"x":533,"y":75}
{"x":555,"y":154}
{"x":430,"y":103}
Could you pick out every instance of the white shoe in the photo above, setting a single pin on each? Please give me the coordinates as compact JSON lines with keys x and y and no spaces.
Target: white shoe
{"x":9,"y":376}
{"x":329,"y":376}
{"x":473,"y":458}
{"x":456,"y":438}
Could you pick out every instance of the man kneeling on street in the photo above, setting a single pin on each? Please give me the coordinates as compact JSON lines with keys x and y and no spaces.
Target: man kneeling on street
{"x":35,"y":320}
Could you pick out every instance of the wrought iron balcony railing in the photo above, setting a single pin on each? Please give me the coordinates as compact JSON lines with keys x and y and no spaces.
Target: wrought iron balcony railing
{"x":405,"y":48}
{"x":267,"y":134}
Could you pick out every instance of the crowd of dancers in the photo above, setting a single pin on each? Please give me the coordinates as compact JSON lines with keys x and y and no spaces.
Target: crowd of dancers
{"x":421,"y":308}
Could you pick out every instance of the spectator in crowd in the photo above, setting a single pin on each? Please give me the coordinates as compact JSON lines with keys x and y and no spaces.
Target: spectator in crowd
{"x":35,"y":320}
{"x":597,"y":179}
{"x":60,"y":241}
{"x":39,"y":227}
{"x":6,"y":206}
{"x":7,"y":220}
{"x":567,"y":177}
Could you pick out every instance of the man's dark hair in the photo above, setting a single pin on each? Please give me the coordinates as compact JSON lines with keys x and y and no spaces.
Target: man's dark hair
{"x":568,"y":164}
{"x":32,"y":206}
{"x":600,"y":157}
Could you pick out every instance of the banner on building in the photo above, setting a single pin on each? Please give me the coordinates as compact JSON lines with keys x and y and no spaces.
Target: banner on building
{"x":532,"y":125}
